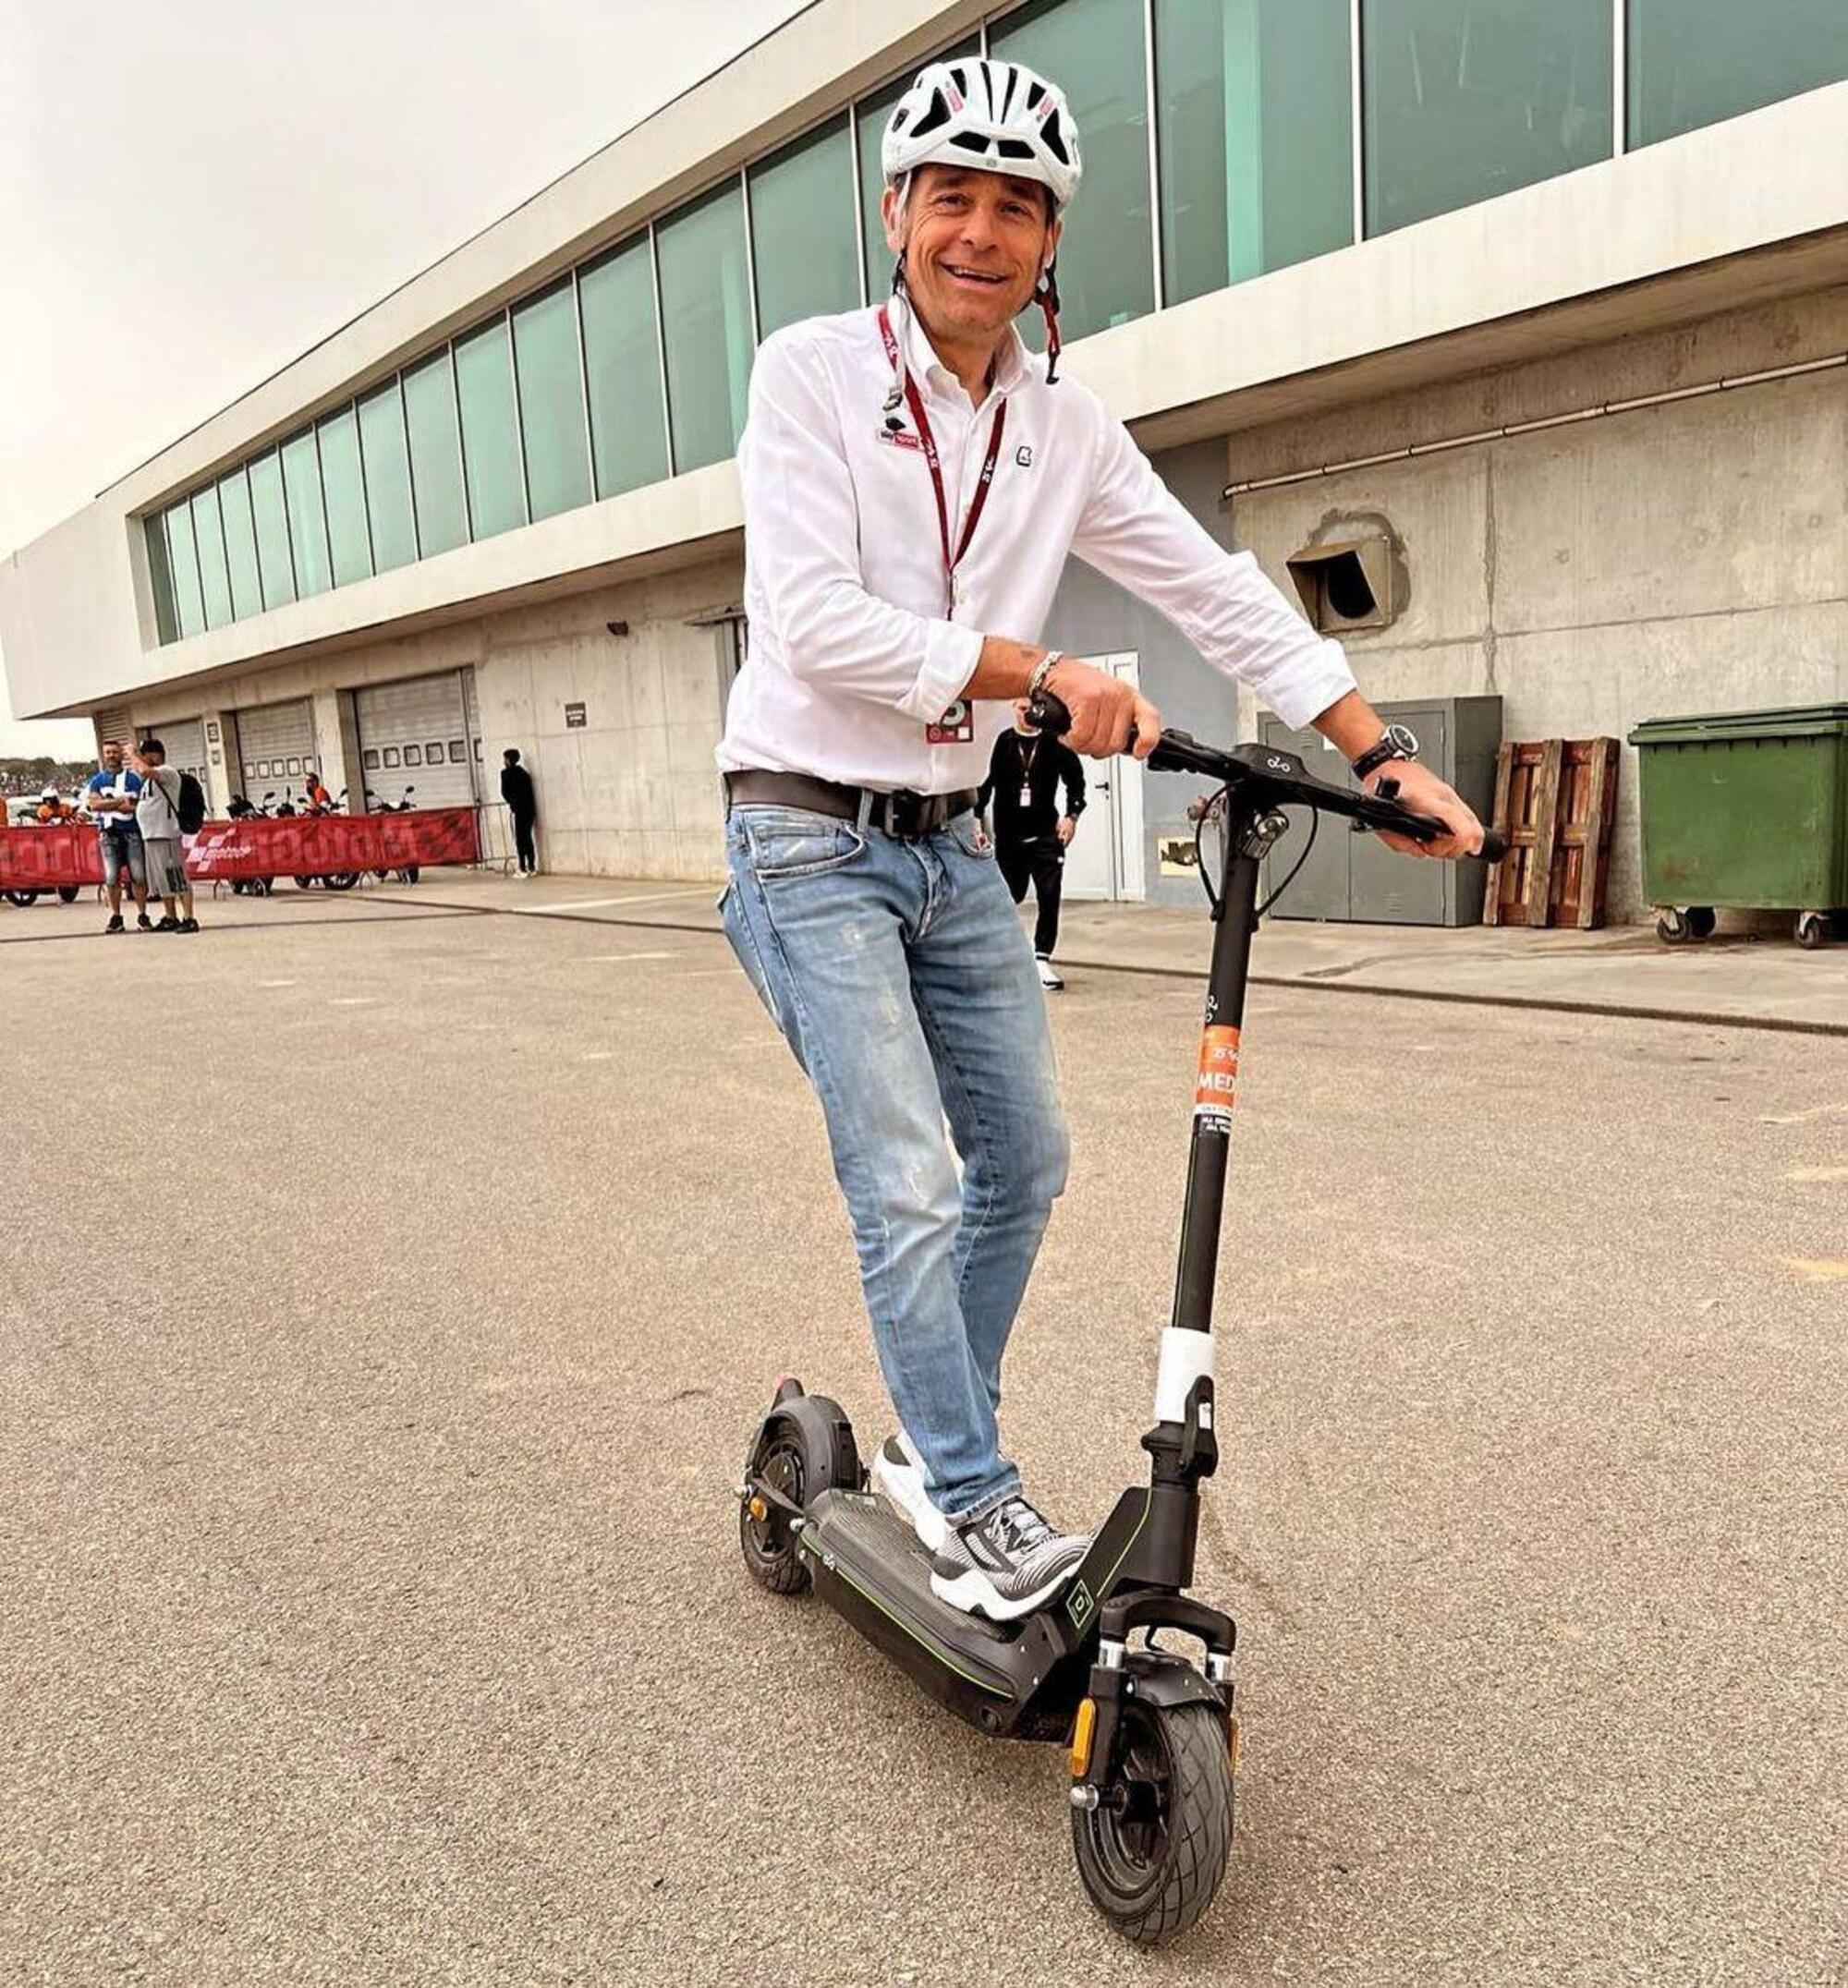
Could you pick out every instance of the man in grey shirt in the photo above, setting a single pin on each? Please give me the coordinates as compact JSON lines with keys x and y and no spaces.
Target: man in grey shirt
{"x":157,"y":817}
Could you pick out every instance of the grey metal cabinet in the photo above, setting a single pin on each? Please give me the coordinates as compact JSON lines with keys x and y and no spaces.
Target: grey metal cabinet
{"x":1357,"y":878}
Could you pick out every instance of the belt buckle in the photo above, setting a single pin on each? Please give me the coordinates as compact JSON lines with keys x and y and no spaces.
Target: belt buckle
{"x":907,"y":815}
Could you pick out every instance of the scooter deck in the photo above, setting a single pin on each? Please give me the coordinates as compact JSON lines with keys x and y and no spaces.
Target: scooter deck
{"x":873,"y":1568}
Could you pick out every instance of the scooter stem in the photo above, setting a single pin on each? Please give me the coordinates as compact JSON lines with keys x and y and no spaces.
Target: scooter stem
{"x":1249,"y":833}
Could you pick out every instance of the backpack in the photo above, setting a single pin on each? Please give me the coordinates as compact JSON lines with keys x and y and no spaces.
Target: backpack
{"x":190,"y":805}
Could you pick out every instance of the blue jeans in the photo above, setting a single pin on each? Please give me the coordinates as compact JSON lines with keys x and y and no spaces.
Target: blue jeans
{"x":899,"y":975}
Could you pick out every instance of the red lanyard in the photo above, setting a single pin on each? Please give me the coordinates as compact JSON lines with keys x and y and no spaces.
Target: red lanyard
{"x":914,"y":400}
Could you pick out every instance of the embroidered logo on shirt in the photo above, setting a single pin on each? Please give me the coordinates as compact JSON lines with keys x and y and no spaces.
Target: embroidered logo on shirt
{"x":1024,"y":456}
{"x":898,"y":438}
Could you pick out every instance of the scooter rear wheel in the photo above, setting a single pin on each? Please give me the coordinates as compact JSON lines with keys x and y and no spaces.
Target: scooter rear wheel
{"x":779,"y":1458}
{"x":1152,"y":1852}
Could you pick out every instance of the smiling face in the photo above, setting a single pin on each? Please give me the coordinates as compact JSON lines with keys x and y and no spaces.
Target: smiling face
{"x":975,"y":245}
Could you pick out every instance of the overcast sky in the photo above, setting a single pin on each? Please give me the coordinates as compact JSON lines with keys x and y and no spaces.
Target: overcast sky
{"x":197,"y":191}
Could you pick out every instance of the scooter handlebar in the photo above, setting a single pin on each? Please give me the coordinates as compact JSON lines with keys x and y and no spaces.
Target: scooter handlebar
{"x":1284,"y":776}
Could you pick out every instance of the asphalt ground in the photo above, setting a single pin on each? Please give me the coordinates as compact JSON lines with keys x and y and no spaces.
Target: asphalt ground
{"x":388,"y":1293}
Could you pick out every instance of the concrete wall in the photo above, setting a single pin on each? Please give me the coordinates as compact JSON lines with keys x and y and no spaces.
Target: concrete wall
{"x":1093,"y":617}
{"x":1689,"y":556}
{"x":633,"y":792}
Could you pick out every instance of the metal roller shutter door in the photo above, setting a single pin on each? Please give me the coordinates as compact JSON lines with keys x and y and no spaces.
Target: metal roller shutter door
{"x":275,"y":746}
{"x":184,"y":741}
{"x":416,"y":733}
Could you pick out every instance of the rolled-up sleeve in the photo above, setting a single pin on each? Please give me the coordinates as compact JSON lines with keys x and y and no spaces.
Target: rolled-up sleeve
{"x":1135,"y":531}
{"x":802,"y":524}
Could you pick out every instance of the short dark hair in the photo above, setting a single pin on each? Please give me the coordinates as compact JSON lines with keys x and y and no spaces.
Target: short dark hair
{"x":511,"y":755}
{"x":152,"y":749}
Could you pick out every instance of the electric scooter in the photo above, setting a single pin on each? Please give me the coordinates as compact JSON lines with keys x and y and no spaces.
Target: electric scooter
{"x":1152,"y":1738}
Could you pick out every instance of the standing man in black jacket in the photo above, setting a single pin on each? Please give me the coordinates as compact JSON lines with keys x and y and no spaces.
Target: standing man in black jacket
{"x":522,"y":804}
{"x":1030,"y":834}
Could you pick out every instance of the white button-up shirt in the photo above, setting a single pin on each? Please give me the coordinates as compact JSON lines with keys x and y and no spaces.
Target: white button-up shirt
{"x":854,"y":659}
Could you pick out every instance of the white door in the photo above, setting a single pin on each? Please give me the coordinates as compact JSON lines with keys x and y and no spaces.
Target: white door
{"x":1105,"y":858}
{"x":275,"y":746}
{"x":416,"y":733}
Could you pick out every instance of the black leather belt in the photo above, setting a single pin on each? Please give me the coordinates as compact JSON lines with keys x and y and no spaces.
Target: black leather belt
{"x":904,"y":815}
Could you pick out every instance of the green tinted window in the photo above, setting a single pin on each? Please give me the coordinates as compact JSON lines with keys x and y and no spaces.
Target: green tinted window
{"x":706,"y":305}
{"x":241,"y":545}
{"x":435,"y":456}
{"x":214,"y":579}
{"x":307,"y":515}
{"x":551,"y":401}
{"x":159,"y":578}
{"x":345,"y":489}
{"x":1694,"y":61}
{"x":490,"y":457}
{"x":1094,"y":50}
{"x":387,"y":462}
{"x":1253,"y":114}
{"x":622,"y":362}
{"x":183,"y":559}
{"x":1465,"y":100}
{"x":802,"y":230}
{"x":267,"y":507}
{"x":870,"y":115}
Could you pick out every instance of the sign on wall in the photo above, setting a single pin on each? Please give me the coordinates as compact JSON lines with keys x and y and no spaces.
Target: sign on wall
{"x":574,"y":718}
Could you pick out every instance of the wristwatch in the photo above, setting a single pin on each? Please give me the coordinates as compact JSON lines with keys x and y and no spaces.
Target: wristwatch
{"x":1395,"y":743}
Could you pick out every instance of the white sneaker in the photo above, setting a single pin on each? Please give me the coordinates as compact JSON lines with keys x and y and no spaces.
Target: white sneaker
{"x":1049,"y":973}
{"x":898,"y":1478}
{"x":1007,"y":1563}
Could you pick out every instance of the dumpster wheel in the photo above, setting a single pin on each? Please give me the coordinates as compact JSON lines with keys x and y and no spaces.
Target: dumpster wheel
{"x":1812,"y":929}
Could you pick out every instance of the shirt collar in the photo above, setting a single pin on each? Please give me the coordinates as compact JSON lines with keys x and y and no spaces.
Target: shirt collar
{"x":1011,"y":359}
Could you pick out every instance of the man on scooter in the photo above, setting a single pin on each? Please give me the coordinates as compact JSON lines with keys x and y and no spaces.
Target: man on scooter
{"x":913,"y":481}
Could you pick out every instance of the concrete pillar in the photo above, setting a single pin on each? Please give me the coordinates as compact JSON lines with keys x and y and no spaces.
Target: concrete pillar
{"x":222,"y":772}
{"x":336,"y":748}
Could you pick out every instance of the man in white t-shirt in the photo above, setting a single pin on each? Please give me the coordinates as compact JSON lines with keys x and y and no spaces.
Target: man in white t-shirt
{"x":157,"y":814}
{"x":913,"y":481}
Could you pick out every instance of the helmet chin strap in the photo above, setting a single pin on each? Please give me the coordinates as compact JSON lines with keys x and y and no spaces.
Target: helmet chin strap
{"x":1048,"y":299}
{"x":1046,"y":295}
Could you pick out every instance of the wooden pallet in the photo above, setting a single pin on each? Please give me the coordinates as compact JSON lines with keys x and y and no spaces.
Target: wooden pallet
{"x":1555,"y":803}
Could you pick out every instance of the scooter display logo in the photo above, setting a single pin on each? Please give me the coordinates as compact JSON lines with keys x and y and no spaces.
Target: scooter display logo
{"x":1079,"y":1605}
{"x":1216,"y":1087}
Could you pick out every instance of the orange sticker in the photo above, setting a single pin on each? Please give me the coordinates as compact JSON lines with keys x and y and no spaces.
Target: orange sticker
{"x":1218,"y":1082}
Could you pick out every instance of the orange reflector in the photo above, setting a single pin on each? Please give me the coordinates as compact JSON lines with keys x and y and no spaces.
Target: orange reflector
{"x":758,"y":1508}
{"x":1081,"y":1739}
{"x":1234,"y":1741}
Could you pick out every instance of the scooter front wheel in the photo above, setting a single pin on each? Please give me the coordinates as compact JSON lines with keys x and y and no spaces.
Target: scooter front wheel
{"x":1152,"y":1853}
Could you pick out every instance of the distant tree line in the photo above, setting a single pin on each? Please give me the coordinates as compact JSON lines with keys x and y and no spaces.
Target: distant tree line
{"x":34,"y":776}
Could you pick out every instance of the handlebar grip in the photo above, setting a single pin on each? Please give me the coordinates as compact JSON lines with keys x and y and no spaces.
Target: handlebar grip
{"x":1494,"y":847}
{"x":1048,"y":713}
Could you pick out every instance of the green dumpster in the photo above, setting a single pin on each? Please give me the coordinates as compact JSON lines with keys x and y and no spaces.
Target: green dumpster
{"x":1749,"y":811}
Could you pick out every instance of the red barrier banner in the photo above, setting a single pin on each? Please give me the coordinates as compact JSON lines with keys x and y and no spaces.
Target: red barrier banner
{"x":328,"y":845}
{"x":291,"y":845}
{"x":49,"y":859}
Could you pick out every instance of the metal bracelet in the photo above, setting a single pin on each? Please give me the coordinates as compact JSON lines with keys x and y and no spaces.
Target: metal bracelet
{"x":1042,"y":670}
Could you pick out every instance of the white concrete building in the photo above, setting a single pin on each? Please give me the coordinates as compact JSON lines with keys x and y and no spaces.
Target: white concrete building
{"x":1542,"y":306}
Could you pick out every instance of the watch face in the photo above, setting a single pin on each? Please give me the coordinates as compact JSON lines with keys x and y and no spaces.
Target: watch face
{"x":1404,"y":740}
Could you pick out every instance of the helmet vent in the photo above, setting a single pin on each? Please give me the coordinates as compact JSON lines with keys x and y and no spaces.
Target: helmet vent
{"x":937,"y":112}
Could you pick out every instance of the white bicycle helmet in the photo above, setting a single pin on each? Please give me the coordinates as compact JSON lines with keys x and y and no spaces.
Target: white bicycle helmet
{"x":995,"y":115}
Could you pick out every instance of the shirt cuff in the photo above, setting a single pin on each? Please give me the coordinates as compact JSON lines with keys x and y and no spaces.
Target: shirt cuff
{"x":951,"y":655}
{"x":1305,"y":692}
